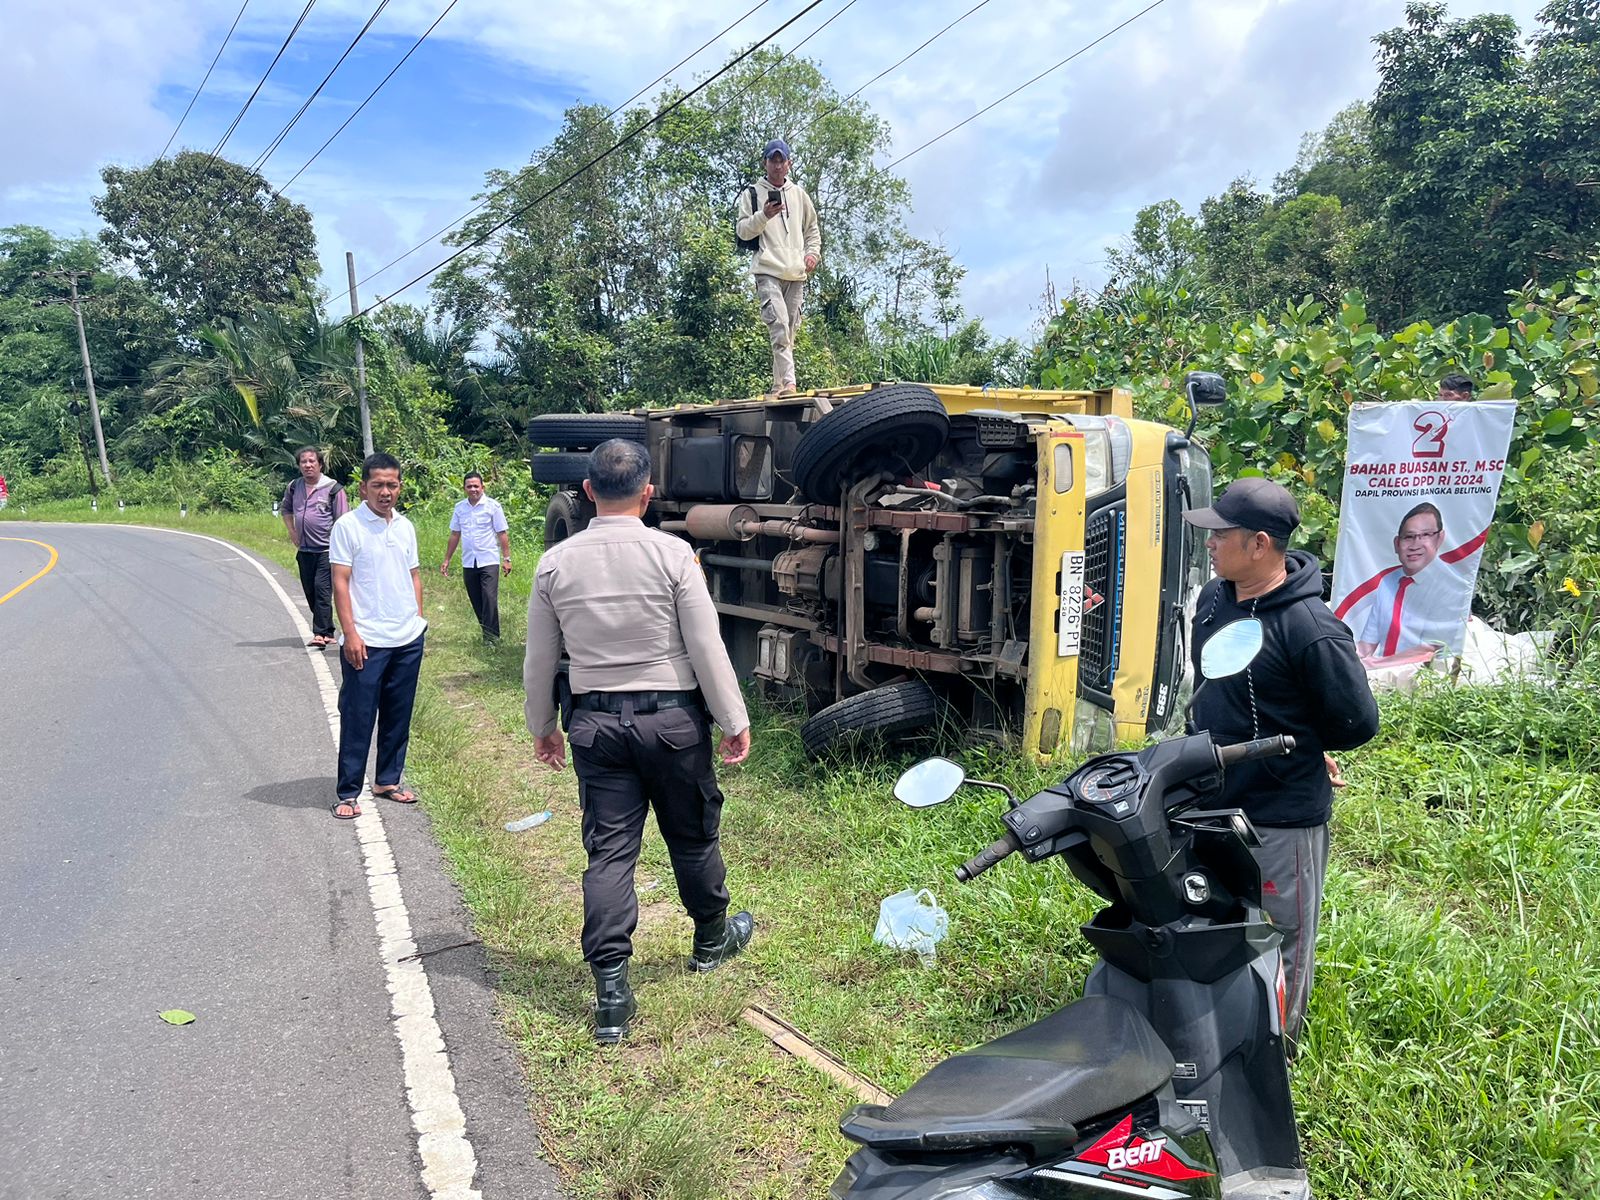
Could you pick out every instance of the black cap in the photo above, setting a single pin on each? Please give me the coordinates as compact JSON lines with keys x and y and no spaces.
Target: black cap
{"x":1258,"y":505}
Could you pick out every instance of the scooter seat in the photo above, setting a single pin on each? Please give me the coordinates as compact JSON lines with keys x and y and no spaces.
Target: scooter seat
{"x":1029,"y":1088}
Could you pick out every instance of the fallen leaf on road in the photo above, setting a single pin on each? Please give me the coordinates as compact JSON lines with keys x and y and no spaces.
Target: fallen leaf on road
{"x":177,"y":1016}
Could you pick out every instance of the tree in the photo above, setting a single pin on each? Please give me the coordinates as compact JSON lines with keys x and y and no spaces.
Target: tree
{"x":1164,"y":247}
{"x":1488,"y":157}
{"x":271,"y":383}
{"x":210,"y":238}
{"x":1334,"y":161}
{"x":1230,"y":234}
{"x":41,"y":372}
{"x":1303,"y":247}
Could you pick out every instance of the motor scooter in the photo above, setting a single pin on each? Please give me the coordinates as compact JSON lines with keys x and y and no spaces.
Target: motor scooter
{"x":1168,"y":1079}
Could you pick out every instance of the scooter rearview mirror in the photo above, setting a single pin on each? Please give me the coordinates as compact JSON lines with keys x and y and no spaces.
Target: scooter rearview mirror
{"x":931,"y":781}
{"x":1231,"y":649}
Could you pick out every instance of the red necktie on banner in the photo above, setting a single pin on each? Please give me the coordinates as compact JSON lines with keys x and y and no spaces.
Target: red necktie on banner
{"x":1392,"y":641}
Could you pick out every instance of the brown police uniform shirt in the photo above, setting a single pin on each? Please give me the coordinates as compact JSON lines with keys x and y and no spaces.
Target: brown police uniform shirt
{"x":631,"y":607}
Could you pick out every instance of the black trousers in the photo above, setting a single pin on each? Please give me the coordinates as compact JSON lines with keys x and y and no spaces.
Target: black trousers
{"x":628,"y":762}
{"x":483,"y":589}
{"x":316,"y":579}
{"x":383,"y":692}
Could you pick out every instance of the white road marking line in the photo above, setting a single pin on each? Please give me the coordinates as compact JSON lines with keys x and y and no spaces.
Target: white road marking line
{"x":448,"y":1160}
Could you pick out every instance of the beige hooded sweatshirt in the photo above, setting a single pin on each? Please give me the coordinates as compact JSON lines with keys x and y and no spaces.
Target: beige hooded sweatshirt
{"x":788,"y":237}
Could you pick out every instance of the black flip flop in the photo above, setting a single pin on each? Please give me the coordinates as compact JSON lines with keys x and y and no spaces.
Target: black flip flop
{"x":352,"y":804}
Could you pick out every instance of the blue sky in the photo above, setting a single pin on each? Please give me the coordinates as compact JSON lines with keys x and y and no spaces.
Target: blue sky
{"x":1187,"y":98}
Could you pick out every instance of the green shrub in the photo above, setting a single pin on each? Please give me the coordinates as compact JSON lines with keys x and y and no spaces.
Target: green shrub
{"x":1293,"y":375}
{"x":60,"y":478}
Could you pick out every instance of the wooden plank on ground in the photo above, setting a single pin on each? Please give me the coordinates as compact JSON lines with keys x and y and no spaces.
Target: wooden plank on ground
{"x":786,"y":1037}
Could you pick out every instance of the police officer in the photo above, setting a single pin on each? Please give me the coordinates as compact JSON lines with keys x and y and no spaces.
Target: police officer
{"x":648,"y":673}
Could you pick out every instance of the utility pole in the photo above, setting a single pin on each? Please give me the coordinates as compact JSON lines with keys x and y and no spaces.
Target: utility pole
{"x":75,"y":410}
{"x":361,"y":360}
{"x":72,"y":278}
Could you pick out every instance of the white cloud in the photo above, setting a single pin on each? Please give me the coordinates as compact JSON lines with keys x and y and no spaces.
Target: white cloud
{"x":1190,"y":96}
{"x":78,"y":87}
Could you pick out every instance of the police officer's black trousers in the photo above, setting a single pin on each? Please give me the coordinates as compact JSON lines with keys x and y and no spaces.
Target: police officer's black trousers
{"x":628,"y":762}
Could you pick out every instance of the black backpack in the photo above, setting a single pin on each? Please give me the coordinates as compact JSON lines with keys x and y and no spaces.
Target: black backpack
{"x":748,"y":245}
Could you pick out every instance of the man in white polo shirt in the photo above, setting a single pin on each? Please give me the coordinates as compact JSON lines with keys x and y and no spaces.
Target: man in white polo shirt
{"x":477,"y":523}
{"x":377,"y":592}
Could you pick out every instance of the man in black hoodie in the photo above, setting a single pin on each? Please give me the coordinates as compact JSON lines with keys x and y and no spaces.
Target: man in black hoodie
{"x":1306,"y":682}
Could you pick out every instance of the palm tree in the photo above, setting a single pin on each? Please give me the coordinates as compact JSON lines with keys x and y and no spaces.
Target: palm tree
{"x":272,"y":383}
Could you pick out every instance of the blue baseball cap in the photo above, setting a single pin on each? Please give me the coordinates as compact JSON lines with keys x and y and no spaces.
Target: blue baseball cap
{"x":776,"y":146}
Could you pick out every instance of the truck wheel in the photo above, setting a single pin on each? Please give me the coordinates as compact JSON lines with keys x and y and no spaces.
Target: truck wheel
{"x":562,"y":518}
{"x":896,"y":428}
{"x":886,"y":712}
{"x":560,"y":468}
{"x":583,"y":431}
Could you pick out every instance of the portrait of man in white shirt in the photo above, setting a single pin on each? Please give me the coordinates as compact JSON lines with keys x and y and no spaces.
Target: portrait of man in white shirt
{"x":1425,"y":602}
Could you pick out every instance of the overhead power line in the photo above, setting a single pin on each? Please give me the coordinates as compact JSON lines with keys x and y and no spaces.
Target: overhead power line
{"x":301,"y":20}
{"x":1080,"y":50}
{"x":491,"y":196}
{"x":737,"y":21}
{"x":895,"y":66}
{"x":370,"y":95}
{"x":593,"y":162}
{"x":745,"y":90}
{"x":215,"y":59}
{"x":261,"y":160}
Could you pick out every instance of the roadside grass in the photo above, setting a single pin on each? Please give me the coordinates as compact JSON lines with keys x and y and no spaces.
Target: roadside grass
{"x":1453,"y":1050}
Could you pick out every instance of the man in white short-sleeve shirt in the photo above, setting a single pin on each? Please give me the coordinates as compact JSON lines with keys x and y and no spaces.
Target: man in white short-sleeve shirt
{"x":478,"y":526}
{"x":377,"y":592}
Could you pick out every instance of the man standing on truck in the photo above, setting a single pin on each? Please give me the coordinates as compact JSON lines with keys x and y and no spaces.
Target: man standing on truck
{"x":648,"y":674}
{"x":778,"y":225}
{"x":1306,"y":682}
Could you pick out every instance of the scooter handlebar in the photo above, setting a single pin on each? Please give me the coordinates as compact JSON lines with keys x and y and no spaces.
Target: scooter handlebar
{"x":980,"y":863}
{"x":1272,"y":747}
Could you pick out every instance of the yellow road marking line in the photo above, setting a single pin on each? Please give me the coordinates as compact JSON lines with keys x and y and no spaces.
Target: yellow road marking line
{"x":48,"y":567}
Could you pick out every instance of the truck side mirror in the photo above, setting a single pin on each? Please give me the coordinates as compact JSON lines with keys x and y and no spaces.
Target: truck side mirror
{"x":1205,"y":388}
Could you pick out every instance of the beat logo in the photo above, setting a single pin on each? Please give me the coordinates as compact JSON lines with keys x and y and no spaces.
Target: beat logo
{"x":1121,"y":1150}
{"x":1137,"y":1154}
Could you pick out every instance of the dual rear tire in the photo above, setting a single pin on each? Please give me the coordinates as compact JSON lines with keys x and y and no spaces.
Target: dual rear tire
{"x":884,"y":714}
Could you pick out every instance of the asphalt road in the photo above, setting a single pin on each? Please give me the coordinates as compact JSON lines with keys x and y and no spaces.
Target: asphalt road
{"x":165,"y":842}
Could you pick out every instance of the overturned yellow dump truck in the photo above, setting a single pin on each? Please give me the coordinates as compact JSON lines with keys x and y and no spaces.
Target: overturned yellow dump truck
{"x":902,"y":555}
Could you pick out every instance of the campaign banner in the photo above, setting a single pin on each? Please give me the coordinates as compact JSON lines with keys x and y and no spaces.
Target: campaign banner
{"x":1420,"y":485}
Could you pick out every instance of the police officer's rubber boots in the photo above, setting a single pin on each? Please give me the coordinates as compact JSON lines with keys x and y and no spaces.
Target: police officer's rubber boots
{"x":719,"y":939}
{"x":614,"y":1005}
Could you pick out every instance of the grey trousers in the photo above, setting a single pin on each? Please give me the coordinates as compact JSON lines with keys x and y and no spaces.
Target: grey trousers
{"x":1294,"y":867}
{"x":781,"y":304}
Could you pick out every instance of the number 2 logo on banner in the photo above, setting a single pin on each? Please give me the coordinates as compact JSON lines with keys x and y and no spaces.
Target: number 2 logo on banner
{"x":1431,"y":427}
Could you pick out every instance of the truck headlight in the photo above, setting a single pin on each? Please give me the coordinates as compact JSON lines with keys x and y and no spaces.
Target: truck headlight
{"x":1093,"y":728}
{"x":1107,"y":451}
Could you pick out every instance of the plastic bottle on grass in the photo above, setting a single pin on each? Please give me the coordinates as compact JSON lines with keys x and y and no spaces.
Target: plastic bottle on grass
{"x":527,"y":822}
{"x":912,"y":920}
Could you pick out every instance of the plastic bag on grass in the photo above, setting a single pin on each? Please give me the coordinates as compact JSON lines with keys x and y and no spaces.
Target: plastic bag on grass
{"x":912,"y":920}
